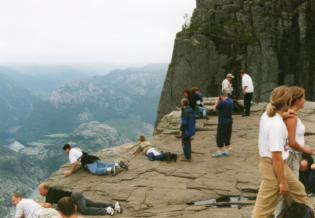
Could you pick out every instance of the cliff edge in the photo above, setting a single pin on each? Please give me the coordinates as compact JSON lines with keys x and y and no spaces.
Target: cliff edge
{"x":274,"y":41}
{"x":162,"y":189}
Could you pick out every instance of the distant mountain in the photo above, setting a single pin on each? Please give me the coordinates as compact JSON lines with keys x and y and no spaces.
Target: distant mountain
{"x":17,"y":173}
{"x":42,"y":80}
{"x":128,"y":97}
{"x":15,"y":104}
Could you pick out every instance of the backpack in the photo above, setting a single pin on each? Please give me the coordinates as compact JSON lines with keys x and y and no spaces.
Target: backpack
{"x":87,"y":159}
{"x":297,"y":210}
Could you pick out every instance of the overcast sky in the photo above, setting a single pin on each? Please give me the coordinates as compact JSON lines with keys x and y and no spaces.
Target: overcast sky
{"x":109,"y":31}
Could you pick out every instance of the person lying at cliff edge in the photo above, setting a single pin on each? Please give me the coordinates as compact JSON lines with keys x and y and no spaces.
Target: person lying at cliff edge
{"x":92,"y":163}
{"x":152,"y":153}
{"x":84,"y":205}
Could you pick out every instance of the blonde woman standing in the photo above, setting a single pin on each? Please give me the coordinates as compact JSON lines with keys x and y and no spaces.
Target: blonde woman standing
{"x":276,"y":177}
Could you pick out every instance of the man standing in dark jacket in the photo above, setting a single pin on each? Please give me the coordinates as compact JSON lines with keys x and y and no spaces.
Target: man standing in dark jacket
{"x":187,"y":128}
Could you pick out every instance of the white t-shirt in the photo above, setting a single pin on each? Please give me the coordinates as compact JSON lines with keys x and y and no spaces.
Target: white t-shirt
{"x":273,"y":136}
{"x":227,"y":86}
{"x":74,"y":155}
{"x":299,"y":134}
{"x":28,"y":208}
{"x":247,"y":81}
{"x":154,"y":151}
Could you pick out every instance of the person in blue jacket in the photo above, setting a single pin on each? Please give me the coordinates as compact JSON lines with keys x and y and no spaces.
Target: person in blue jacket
{"x":224,"y":106}
{"x":187,"y":128}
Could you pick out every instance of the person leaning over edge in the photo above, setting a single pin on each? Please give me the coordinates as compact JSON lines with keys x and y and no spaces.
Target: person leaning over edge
{"x":91,"y":162}
{"x":277,"y":178}
{"x":85,"y":206}
{"x":248,"y":89}
{"x":67,"y":208}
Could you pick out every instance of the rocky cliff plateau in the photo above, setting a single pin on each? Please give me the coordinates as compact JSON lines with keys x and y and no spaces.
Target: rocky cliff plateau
{"x":161,"y":189}
{"x":274,"y":41}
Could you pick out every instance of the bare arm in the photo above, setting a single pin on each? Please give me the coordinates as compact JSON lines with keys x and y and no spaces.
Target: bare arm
{"x":291,"y":126}
{"x":278,"y":167}
{"x":74,"y":165}
{"x":45,"y":205}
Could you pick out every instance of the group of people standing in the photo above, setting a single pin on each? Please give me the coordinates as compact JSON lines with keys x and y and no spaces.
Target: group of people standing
{"x":281,"y":146}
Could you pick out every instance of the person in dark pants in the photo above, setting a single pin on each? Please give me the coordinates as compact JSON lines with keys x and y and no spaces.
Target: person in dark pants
{"x":248,"y":89}
{"x":187,"y":128}
{"x":307,"y":173}
{"x":224,"y":106}
{"x":85,"y":206}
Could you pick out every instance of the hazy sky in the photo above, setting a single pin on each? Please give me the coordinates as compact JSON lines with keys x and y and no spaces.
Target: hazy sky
{"x":109,"y":31}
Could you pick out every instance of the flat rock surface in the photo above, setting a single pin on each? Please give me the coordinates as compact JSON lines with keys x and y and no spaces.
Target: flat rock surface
{"x":163,"y":189}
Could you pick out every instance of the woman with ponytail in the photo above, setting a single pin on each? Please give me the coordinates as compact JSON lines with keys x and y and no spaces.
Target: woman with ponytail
{"x":277,"y":178}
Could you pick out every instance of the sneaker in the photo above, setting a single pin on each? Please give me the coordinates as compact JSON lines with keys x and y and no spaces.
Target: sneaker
{"x":114,"y":170}
{"x":123,"y":165}
{"x":117,"y":208}
{"x":174,"y":157}
{"x":110,"y":211}
{"x":226,"y":153}
{"x":217,"y":154}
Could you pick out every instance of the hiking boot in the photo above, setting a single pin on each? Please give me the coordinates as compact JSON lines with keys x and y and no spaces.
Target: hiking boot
{"x":115,"y":170}
{"x":110,"y":211}
{"x":117,"y":208}
{"x":217,"y":154}
{"x":168,"y":156}
{"x":185,"y":159}
{"x":174,"y":157}
{"x":123,"y":165}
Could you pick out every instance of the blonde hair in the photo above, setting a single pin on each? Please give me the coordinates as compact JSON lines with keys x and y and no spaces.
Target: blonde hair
{"x":141,"y":138}
{"x":296,"y":93}
{"x":279,"y":97}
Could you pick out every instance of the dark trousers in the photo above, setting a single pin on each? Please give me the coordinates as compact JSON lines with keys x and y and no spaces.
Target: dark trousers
{"x":224,"y":133}
{"x":186,"y":143}
{"x":311,"y":182}
{"x":247,"y":101}
{"x":161,"y":157}
{"x":88,"y":207}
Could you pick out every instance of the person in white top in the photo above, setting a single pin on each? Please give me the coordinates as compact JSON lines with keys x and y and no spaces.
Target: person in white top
{"x":152,"y":153}
{"x":27,"y":208}
{"x":227,"y":85}
{"x":277,"y":178}
{"x":91,"y":162}
{"x":296,"y":131}
{"x":248,"y":90}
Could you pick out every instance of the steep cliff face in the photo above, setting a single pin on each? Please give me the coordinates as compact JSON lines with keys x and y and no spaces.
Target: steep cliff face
{"x":274,"y":41}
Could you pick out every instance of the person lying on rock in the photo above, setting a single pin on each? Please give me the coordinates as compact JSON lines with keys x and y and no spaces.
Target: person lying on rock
{"x":152,"y":153}
{"x":92,"y":163}
{"x":84,"y":205}
{"x":28,"y":208}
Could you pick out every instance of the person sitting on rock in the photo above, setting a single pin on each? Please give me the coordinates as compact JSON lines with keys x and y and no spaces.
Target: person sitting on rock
{"x":78,"y":158}
{"x":28,"y":208}
{"x":307,"y":173}
{"x":224,"y":106}
{"x":67,"y":208}
{"x":199,"y":104}
{"x":187,"y":128}
{"x":152,"y":153}
{"x":84,"y":205}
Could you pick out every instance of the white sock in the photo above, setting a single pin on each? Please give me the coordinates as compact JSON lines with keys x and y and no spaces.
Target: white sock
{"x":109,"y":169}
{"x":117,"y":164}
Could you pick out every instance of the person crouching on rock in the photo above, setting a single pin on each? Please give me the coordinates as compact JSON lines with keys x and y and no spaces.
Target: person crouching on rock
{"x":152,"y":153}
{"x":78,"y":158}
{"x":277,"y":178}
{"x":224,"y":106}
{"x":84,"y":205}
{"x":187,"y":128}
